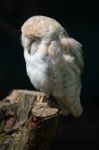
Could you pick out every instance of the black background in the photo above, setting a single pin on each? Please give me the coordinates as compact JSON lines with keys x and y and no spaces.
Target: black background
{"x":81,"y":21}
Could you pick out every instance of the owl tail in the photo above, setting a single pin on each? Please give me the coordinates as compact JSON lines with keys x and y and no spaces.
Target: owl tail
{"x":69,"y":106}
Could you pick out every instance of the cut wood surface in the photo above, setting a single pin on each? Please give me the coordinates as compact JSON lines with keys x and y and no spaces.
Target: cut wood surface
{"x":27,"y":121}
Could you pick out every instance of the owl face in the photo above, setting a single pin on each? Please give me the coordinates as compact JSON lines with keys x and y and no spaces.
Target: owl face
{"x":39,"y":33}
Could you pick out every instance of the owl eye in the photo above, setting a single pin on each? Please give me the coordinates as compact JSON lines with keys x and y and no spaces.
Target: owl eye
{"x":33,"y":46}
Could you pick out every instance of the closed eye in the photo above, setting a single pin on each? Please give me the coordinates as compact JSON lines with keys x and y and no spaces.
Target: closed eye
{"x":33,"y":45}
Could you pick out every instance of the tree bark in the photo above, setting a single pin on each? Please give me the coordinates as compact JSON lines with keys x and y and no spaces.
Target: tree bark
{"x":27,"y":121}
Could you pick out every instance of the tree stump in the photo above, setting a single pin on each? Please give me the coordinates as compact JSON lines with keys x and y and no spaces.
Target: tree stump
{"x":27,"y":122}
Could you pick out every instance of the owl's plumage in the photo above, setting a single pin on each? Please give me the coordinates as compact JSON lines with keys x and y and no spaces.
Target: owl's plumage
{"x":53,"y":62}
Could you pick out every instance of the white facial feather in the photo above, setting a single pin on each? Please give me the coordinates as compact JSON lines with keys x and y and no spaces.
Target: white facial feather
{"x":53,"y":62}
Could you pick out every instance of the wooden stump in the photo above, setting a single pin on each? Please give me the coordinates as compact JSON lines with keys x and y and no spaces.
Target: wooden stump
{"x":27,"y":122}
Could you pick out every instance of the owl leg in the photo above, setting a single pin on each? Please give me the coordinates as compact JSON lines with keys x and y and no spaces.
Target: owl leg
{"x":41,"y":101}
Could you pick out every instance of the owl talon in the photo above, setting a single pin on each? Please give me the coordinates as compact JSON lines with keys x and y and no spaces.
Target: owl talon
{"x":41,"y":101}
{"x":42,"y":104}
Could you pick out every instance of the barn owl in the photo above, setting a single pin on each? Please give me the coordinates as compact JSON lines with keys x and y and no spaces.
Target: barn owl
{"x":53,"y":62}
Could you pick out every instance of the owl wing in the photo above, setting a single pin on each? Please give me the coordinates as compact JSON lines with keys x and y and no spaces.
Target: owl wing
{"x":73,"y":65}
{"x":73,"y":48}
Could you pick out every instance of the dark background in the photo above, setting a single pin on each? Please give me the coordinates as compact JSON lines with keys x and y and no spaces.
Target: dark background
{"x":81,"y":20}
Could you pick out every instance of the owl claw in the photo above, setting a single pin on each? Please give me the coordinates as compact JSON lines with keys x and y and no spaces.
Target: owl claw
{"x":39,"y":98}
{"x":41,"y":101}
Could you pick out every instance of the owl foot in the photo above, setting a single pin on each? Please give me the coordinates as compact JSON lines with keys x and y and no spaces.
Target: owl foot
{"x":41,"y":101}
